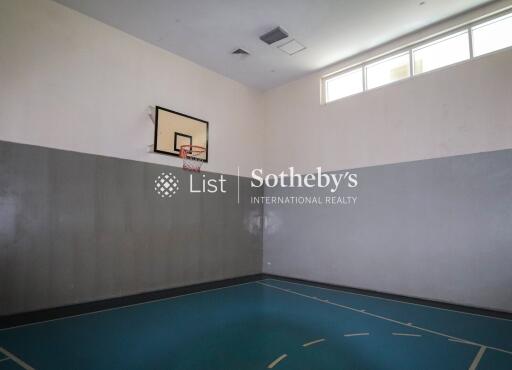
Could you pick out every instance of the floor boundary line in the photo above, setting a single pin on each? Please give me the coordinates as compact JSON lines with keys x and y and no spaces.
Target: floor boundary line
{"x":464,"y":342}
{"x":126,"y":306}
{"x":307,"y":344}
{"x":276,"y":361}
{"x":385,"y":318}
{"x":389,"y":299}
{"x":477,"y":358}
{"x":16,"y":359}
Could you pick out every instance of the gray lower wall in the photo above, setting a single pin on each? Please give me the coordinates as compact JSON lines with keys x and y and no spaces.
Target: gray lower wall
{"x":77,"y":227}
{"x":439,"y":229}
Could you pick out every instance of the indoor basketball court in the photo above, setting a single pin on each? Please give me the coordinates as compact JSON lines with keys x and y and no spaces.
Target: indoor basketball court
{"x":289,"y":185}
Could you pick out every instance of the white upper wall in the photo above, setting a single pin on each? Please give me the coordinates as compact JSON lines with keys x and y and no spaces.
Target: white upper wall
{"x":460,"y":109}
{"x":70,"y":82}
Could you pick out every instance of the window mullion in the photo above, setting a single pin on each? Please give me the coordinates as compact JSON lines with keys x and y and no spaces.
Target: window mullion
{"x":365,"y":87}
{"x":470,"y":39}
{"x":411,"y":66}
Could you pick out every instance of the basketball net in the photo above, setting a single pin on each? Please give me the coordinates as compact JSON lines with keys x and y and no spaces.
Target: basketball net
{"x":192,"y":157}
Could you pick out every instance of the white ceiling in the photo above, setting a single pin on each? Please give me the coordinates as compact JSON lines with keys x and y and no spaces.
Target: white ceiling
{"x":206,"y":31}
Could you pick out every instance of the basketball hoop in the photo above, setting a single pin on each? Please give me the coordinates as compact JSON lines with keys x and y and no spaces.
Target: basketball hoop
{"x":192,"y":157}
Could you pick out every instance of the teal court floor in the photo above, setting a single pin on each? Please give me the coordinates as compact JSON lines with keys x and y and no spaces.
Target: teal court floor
{"x":260,"y":325}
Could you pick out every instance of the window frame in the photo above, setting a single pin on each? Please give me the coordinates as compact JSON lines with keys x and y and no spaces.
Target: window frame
{"x":383,"y":59}
{"x":409,"y":49}
{"x":444,"y":36}
{"x":340,"y":73}
{"x":485,"y":22}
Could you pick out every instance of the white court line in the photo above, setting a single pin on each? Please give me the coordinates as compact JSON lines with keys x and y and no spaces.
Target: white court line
{"x":129,"y":305}
{"x":464,"y":342}
{"x":385,"y":318}
{"x":457,"y":340}
{"x":313,"y":342}
{"x":16,"y":359}
{"x":355,"y":334}
{"x":406,"y":335}
{"x":276,"y":361}
{"x":477,"y":359}
{"x":392,"y":300}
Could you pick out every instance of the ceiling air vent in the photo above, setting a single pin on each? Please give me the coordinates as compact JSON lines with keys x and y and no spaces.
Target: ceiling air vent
{"x":277,"y":34}
{"x":240,"y":52}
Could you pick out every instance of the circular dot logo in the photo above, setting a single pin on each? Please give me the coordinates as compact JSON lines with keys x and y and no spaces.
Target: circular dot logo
{"x":166,"y":185}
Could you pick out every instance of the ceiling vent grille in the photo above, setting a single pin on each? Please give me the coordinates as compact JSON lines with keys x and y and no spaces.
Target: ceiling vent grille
{"x":240,"y":52}
{"x":277,"y":34}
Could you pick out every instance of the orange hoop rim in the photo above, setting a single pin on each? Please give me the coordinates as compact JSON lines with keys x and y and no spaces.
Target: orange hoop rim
{"x":191,"y":151}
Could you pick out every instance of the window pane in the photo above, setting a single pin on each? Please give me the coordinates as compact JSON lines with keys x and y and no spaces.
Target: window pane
{"x":492,"y":35}
{"x":440,"y":53}
{"x":344,"y":84}
{"x":388,"y":70}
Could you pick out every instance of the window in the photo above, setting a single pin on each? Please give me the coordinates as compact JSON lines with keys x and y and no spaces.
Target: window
{"x":344,"y":84}
{"x":493,"y":35}
{"x":387,"y":71}
{"x":490,"y":35}
{"x":440,"y":53}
